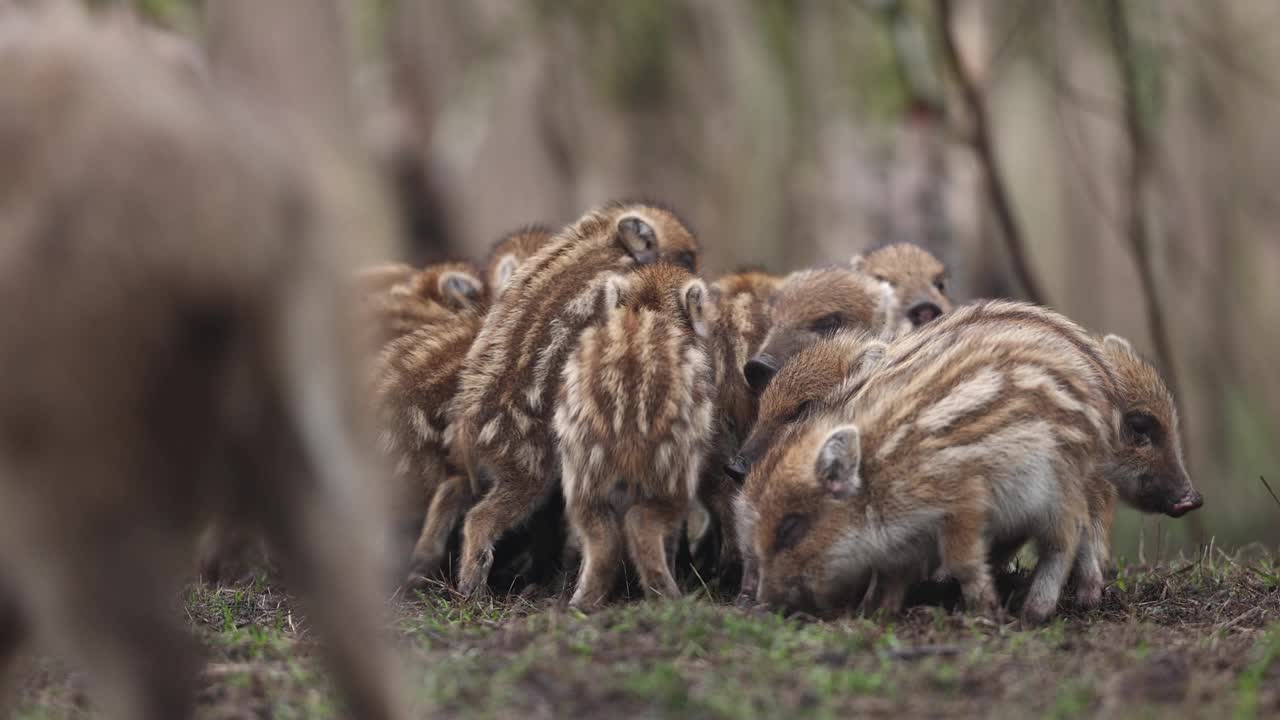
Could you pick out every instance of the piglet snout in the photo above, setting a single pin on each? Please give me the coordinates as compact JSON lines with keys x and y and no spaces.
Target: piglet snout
{"x":1191,"y":501}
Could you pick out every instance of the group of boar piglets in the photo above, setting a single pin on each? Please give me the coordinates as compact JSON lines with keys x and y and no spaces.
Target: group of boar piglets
{"x":184,"y":350}
{"x":836,"y":434}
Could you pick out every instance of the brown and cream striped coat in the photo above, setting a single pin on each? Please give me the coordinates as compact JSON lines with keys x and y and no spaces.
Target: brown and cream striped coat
{"x":633,"y":419}
{"x":917,"y":278}
{"x":509,"y":253}
{"x":737,"y":322}
{"x":1145,"y":465}
{"x":981,"y":428}
{"x":396,"y":299}
{"x":512,"y":374}
{"x":812,"y":304}
{"x":416,"y":380}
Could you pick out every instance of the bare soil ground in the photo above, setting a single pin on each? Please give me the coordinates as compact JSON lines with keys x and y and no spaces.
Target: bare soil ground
{"x":1184,"y":639}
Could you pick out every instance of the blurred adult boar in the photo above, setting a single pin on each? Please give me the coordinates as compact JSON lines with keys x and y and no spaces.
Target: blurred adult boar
{"x":172,"y":357}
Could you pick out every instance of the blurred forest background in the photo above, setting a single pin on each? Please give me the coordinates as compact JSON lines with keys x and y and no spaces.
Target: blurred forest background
{"x":1113,"y":159}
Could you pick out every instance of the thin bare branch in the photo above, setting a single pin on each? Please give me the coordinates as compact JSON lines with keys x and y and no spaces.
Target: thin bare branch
{"x":1267,"y":485}
{"x":1073,"y":130}
{"x":997,"y":191}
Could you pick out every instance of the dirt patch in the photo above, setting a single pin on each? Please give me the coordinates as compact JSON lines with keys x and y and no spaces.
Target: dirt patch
{"x":1190,"y":639}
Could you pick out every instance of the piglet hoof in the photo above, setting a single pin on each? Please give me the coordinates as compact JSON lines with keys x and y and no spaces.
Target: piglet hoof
{"x":585,"y":607}
{"x":474,"y":577}
{"x":416,"y":583}
{"x":475,"y":593}
{"x":420,"y":582}
{"x":1089,"y":597}
{"x":1002,"y":616}
{"x":993,"y":616}
{"x":1037,"y":613}
{"x":420,"y":578}
{"x":1112,"y":593}
{"x":983,"y":602}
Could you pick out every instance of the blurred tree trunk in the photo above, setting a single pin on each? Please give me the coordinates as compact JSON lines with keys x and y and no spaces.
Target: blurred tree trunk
{"x":917,"y":210}
{"x":414,"y":31}
{"x":974,"y":99}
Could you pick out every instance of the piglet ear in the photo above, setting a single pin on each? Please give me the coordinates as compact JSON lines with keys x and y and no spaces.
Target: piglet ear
{"x":460,"y":289}
{"x":1116,"y":343}
{"x":639,"y":240}
{"x":692,"y":297}
{"x":838,"y":463}
{"x":506,"y":267}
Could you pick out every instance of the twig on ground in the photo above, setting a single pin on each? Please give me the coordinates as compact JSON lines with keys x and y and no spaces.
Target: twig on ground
{"x":1247,"y":614}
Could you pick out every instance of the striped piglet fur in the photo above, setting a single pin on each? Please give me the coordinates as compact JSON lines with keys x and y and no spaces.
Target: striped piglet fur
{"x":980,"y":429}
{"x":634,"y":419}
{"x":737,"y":322}
{"x":512,"y":374}
{"x":396,"y":299}
{"x":415,"y":380}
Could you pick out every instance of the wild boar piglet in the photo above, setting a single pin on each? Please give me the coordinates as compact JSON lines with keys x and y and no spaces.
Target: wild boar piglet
{"x":812,"y":304}
{"x":396,"y":299}
{"x":978,"y":429}
{"x":917,"y":278}
{"x":633,"y":419}
{"x":812,"y":377}
{"x":417,"y":381}
{"x":512,"y":373}
{"x":510,"y":252}
{"x":738,"y":319}
{"x":737,"y":322}
{"x":1147,"y":466}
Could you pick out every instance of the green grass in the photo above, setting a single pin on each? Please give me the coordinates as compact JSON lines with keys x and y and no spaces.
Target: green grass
{"x":1074,"y":699}
{"x":1267,"y":653}
{"x":1189,"y":639}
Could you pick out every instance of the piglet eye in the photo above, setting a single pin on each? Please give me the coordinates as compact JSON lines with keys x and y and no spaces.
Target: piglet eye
{"x":799,"y":412}
{"x":940,"y":284}
{"x":791,"y":530}
{"x":827,"y":324}
{"x":1141,"y":427}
